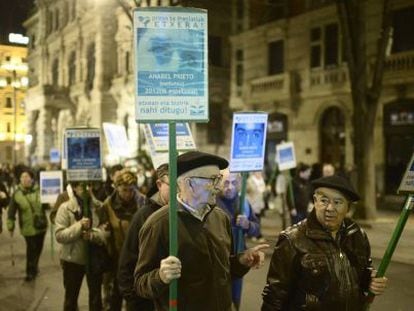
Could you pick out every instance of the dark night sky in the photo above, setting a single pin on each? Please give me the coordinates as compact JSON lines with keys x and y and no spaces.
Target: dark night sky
{"x":12,"y":15}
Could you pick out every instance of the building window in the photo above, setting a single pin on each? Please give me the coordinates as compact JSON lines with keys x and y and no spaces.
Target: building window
{"x":55,"y":72}
{"x":8,"y":127}
{"x":73,"y":10}
{"x":275,"y":57}
{"x":239,"y":67}
{"x":9,"y":102}
{"x":8,"y":58}
{"x":72,"y":68}
{"x":174,"y":2}
{"x":90,"y":75}
{"x":277,"y":9}
{"x":9,"y":80}
{"x":325,"y":47}
{"x":403,"y":25}
{"x":49,"y":22}
{"x":57,"y":20}
{"x":214,"y":50}
{"x":240,"y":9}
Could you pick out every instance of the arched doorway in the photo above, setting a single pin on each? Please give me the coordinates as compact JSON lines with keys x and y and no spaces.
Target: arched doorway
{"x":332,"y":137}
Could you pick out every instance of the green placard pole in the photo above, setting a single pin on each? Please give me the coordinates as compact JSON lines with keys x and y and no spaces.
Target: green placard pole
{"x":172,"y":171}
{"x":85,"y":212}
{"x":240,"y":235}
{"x":408,"y":206}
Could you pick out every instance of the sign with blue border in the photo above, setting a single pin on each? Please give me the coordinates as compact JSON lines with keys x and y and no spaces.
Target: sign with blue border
{"x":248,"y":141}
{"x":54,"y":155}
{"x":171,"y":64}
{"x":159,"y":136}
{"x":83,"y":154}
{"x":285,"y":156}
{"x":51,"y":185}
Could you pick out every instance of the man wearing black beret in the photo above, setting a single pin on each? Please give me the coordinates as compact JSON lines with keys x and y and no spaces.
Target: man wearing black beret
{"x":205,"y":263}
{"x":323,"y":262}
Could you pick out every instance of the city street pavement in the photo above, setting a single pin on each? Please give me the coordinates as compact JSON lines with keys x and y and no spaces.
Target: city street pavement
{"x":46,"y":292}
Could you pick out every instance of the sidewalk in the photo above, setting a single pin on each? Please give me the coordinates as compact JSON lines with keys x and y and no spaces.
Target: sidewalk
{"x":379,"y":233}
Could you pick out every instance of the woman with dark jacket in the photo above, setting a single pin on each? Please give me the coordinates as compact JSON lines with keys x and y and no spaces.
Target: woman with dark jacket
{"x":32,"y":220}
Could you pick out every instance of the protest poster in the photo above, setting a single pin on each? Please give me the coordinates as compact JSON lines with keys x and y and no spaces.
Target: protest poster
{"x":285,"y":156}
{"x":54,"y":155}
{"x":116,"y":138}
{"x":171,"y":64}
{"x":407,"y":182}
{"x":83,"y":154}
{"x":157,"y":158}
{"x":51,"y":185}
{"x":159,"y":136}
{"x":248,"y":141}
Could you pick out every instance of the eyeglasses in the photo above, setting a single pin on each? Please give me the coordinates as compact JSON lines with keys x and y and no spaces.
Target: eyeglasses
{"x":213,"y":180}
{"x":324,"y":201}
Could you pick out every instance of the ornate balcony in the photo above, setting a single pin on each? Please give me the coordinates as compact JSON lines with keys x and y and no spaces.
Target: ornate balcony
{"x":399,"y":68}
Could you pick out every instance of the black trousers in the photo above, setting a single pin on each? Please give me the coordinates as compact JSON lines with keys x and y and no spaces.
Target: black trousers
{"x":34,"y":246}
{"x":72,"y":280}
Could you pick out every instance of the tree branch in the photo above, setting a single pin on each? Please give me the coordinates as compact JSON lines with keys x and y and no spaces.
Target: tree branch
{"x":382,"y":43}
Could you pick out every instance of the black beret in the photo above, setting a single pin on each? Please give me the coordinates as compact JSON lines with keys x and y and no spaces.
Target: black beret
{"x":194,"y":159}
{"x":338,"y":183}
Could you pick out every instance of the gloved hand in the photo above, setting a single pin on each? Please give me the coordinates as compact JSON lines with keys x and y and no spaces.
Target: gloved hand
{"x":170,"y":269}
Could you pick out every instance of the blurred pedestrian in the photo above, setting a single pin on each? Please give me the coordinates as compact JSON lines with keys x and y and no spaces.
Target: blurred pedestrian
{"x":324,"y":262}
{"x":4,"y":202}
{"x":300,"y":197}
{"x":25,"y":201}
{"x":228,"y":199}
{"x":255,"y":193}
{"x":118,"y":210}
{"x":76,"y":230}
{"x":158,"y":197}
{"x":205,"y":262}
{"x":328,"y":170}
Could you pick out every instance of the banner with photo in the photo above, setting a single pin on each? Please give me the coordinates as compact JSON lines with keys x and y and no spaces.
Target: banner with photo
{"x":248,"y":141}
{"x":83,"y":154}
{"x":285,"y":156}
{"x":171,"y":64}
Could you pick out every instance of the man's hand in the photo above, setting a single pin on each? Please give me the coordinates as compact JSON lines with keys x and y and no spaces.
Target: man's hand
{"x":86,"y":223}
{"x":377,"y":285}
{"x":254,"y":257}
{"x":170,"y":269}
{"x":242,"y":222}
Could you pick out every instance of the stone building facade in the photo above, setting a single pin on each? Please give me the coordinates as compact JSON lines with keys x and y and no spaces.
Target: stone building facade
{"x":293,"y":66}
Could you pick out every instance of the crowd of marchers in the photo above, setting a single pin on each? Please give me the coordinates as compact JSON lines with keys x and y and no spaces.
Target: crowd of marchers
{"x":116,"y":234}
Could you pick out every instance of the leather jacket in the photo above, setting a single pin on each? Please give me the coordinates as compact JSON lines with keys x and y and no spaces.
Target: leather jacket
{"x":310,"y":270}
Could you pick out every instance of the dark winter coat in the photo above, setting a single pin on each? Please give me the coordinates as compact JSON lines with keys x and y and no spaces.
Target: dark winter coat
{"x":309,"y":270}
{"x":205,"y":251}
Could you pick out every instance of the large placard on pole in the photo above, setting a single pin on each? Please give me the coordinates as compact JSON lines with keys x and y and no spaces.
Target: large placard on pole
{"x":285,"y":156}
{"x":83,"y":154}
{"x":51,"y":185}
{"x":171,"y":64}
{"x":116,"y":139}
{"x":407,"y":182}
{"x":248,"y":141}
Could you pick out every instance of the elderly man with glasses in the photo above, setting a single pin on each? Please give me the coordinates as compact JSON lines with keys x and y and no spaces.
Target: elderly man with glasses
{"x":323,"y":262}
{"x":205,"y":263}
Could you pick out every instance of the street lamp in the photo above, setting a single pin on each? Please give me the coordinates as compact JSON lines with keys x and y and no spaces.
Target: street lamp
{"x":14,"y":119}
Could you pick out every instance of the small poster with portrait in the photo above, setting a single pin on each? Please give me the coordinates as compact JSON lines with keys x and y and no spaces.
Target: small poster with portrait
{"x":54,"y":155}
{"x":407,"y":182}
{"x":248,"y":141}
{"x":285,"y":156}
{"x":83,"y":154}
{"x":51,"y":185}
{"x":171,"y":64}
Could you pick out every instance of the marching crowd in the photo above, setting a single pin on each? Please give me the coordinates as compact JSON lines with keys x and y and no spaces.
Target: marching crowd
{"x":116,"y":234}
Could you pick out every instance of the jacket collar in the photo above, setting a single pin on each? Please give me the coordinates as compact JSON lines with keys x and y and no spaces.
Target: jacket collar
{"x":314,"y":229}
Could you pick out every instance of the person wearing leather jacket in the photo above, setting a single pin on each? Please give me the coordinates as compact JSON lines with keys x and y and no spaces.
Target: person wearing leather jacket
{"x":323,"y":262}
